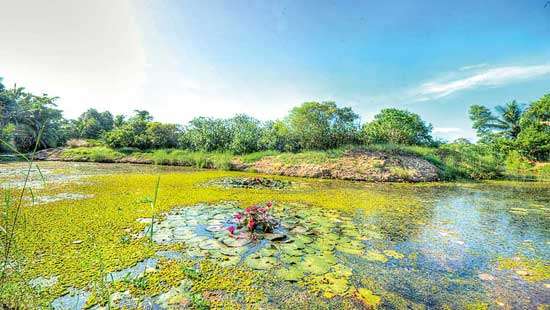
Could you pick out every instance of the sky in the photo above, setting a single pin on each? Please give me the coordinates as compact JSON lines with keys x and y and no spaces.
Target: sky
{"x":182,"y":59}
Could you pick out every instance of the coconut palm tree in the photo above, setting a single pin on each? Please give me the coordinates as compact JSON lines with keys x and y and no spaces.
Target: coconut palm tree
{"x":507,"y":122}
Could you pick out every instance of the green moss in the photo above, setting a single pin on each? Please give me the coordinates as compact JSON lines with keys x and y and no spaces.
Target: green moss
{"x":529,"y":269}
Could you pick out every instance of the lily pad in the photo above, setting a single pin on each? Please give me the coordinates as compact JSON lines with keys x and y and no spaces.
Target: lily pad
{"x":235,"y":242}
{"x":290,"y":274}
{"x":261,"y":263}
{"x":274,"y":237}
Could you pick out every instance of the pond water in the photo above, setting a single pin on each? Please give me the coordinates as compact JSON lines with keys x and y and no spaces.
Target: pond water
{"x":465,"y":245}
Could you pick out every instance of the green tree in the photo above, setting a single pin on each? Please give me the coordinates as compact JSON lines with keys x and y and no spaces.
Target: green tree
{"x":209,"y":134}
{"x":533,"y":140}
{"x":162,"y":135}
{"x":92,"y":124}
{"x":397,"y":127}
{"x":132,"y":133}
{"x":246,"y":132}
{"x":505,"y":124}
{"x":322,"y":125}
{"x":276,"y":136}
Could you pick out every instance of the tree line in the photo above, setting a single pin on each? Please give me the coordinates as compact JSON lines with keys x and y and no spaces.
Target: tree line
{"x":309,"y":126}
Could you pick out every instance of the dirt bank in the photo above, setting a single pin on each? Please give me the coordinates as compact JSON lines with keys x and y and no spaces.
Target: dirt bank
{"x":352,"y":165}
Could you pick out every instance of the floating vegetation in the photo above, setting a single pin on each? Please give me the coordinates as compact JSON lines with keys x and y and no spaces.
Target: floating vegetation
{"x":335,"y":244}
{"x":529,"y":269}
{"x":255,"y":182}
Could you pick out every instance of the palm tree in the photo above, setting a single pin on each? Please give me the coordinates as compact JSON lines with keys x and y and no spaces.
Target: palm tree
{"x":507,"y":122}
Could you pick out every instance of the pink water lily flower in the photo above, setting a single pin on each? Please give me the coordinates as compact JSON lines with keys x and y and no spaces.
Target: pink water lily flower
{"x":231,"y":229}
{"x":251,"y":224}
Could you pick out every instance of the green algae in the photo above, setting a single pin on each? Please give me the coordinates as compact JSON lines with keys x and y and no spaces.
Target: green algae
{"x":528,"y":269}
{"x":74,"y":239}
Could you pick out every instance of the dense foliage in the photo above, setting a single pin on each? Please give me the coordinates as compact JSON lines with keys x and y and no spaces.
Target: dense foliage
{"x":397,"y":127}
{"x":510,"y":136}
{"x":24,"y":116}
{"x":514,"y":130}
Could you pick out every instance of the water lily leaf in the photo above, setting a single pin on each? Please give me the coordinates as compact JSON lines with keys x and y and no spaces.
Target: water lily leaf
{"x":288,"y":259}
{"x":274,"y":237}
{"x":315,"y":265}
{"x":303,"y":239}
{"x":350,"y":248}
{"x":210,"y":244}
{"x":232,"y":251}
{"x":299,"y":230}
{"x":261,"y":263}
{"x":290,"y":274}
{"x":235,"y":242}
{"x":268,"y":251}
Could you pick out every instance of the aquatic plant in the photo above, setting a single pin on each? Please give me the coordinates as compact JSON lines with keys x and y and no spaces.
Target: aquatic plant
{"x":255,"y":218}
{"x":255,"y":182}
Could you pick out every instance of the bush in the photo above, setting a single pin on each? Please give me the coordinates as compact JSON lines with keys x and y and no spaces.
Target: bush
{"x":516,"y":163}
{"x":395,"y":126}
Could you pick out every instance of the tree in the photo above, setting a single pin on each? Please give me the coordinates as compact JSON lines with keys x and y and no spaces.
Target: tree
{"x":533,"y":140}
{"x":322,"y":125}
{"x":506,"y":124}
{"x":276,"y":136}
{"x":397,"y":127}
{"x":209,"y":134}
{"x":24,"y":115}
{"x":132,"y":133}
{"x":162,"y":135}
{"x":92,"y":124}
{"x":246,"y":132}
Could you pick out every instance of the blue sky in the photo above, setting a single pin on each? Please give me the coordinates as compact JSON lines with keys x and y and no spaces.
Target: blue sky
{"x":180,"y":59}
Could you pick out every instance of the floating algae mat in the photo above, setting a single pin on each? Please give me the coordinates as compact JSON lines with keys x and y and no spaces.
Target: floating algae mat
{"x":338,"y":245}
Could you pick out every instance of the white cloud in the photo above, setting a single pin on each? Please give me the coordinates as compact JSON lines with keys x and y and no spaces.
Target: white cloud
{"x":487,"y":78}
{"x":470,"y":67}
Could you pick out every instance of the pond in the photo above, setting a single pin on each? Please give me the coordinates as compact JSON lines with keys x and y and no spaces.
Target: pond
{"x":87,"y":241}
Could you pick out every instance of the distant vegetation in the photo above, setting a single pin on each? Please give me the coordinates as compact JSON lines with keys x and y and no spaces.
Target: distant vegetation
{"x":515,"y":138}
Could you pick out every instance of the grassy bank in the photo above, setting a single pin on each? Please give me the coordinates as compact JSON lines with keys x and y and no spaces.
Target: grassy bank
{"x":454,"y":161}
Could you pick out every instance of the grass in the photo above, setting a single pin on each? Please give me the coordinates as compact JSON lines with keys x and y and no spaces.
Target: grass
{"x":100,"y":154}
{"x":454,"y":161}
